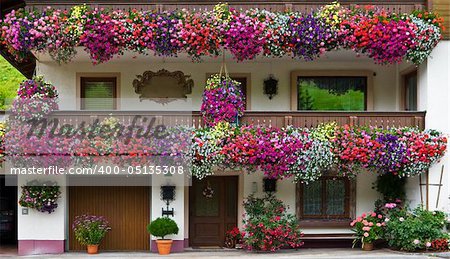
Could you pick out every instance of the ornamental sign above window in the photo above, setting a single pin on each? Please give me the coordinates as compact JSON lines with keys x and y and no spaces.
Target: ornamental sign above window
{"x":163,"y":86}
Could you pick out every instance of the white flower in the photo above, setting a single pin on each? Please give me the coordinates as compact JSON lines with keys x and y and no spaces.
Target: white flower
{"x":386,"y":220}
{"x":428,"y":244}
{"x":416,"y":241}
{"x":401,"y":220}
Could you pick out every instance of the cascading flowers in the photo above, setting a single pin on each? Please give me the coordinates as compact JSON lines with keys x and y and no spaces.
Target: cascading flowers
{"x":383,"y":36}
{"x":36,"y":98}
{"x":310,"y":37}
{"x":427,"y":38}
{"x":298,"y":153}
{"x":244,"y":36}
{"x":223,"y":100}
{"x":423,"y":149}
{"x":197,"y":36}
{"x":276,"y":31}
{"x":103,"y":35}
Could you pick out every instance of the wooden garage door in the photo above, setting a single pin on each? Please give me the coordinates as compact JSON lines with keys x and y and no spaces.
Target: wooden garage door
{"x":126,"y":208}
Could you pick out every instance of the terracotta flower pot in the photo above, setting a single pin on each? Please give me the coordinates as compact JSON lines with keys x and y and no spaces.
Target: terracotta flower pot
{"x":164,"y":246}
{"x":367,"y":246}
{"x":92,"y":249}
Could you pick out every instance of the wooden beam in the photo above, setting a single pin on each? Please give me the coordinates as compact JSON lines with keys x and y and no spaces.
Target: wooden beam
{"x":28,"y":65}
{"x":213,"y":2}
{"x":442,"y":7}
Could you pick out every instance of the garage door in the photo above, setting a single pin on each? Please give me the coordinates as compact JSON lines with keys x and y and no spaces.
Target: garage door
{"x":126,"y":208}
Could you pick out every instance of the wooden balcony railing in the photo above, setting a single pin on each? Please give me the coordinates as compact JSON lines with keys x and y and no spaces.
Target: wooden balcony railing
{"x":274,"y":119}
{"x":274,"y":5}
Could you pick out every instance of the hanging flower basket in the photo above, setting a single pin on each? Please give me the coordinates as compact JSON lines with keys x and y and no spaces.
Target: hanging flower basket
{"x":36,"y":98}
{"x":223,"y":100}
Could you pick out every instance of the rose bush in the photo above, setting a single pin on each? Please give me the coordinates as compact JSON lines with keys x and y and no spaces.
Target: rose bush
{"x":267,"y":225}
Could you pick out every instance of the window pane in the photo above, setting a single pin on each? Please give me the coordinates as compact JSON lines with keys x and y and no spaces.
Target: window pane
{"x":312,"y":198}
{"x":332,"y":93}
{"x":207,"y":206}
{"x":98,"y":95}
{"x":335,"y":203}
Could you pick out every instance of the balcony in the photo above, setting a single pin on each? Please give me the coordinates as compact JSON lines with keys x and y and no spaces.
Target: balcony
{"x":274,"y":5}
{"x":274,"y":119}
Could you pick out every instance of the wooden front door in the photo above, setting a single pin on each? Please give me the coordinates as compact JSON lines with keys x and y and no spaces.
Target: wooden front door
{"x":211,"y":217}
{"x":126,"y":208}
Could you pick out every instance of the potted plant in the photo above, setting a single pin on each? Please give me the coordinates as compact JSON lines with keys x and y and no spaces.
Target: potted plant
{"x":368,"y":228}
{"x":233,"y":238}
{"x":90,"y":230}
{"x":161,"y":227}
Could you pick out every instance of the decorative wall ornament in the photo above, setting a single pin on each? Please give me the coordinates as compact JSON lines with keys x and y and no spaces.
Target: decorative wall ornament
{"x":208,"y":192}
{"x":163,"y":86}
{"x":167,"y":195}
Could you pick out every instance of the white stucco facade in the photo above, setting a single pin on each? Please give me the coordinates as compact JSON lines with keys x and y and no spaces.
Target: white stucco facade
{"x":385,"y":79}
{"x":433,"y":97}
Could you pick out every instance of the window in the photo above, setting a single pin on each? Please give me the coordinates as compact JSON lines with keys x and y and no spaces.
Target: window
{"x":331,"y":90}
{"x":330,"y":198}
{"x":410,"y":91}
{"x":98,"y":93}
{"x":332,"y":93}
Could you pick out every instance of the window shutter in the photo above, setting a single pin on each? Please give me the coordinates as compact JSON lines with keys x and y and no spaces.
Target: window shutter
{"x":98,"y":95}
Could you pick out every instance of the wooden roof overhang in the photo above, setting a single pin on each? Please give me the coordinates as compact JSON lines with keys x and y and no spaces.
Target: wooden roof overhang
{"x":28,"y":65}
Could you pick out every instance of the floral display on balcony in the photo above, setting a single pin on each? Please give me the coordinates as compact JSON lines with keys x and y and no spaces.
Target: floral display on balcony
{"x":301,"y":154}
{"x":306,"y":153}
{"x":404,"y":151}
{"x":222,"y":100}
{"x":384,"y":36}
{"x":35,"y":99}
{"x":42,"y":196}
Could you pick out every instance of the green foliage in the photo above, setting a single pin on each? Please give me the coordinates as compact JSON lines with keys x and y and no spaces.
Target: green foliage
{"x":414,"y":230}
{"x":10,"y":79}
{"x":391,"y":187}
{"x":311,"y":97}
{"x":162,"y":227}
{"x":306,"y":101}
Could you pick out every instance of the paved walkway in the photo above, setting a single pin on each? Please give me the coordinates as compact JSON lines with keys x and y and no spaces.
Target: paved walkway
{"x":231,"y":254}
